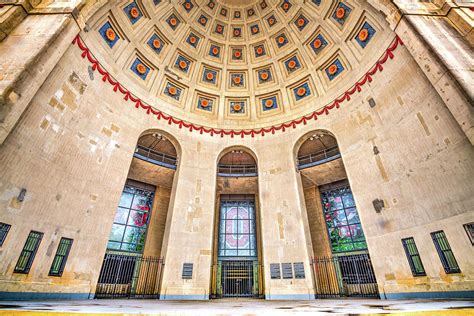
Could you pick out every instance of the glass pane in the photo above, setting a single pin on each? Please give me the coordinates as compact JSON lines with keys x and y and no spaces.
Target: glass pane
{"x":113,"y":245}
{"x":243,"y":241}
{"x":244,"y":226}
{"x":141,"y":202}
{"x":121,"y":216}
{"x":139,"y":219}
{"x":230,"y":241}
{"x":231,"y":252}
{"x":134,"y":235}
{"x":117,"y":232}
{"x":244,"y":252}
{"x":348,"y":200}
{"x":335,"y":203}
{"x":126,"y":199}
{"x":340,"y":218}
{"x":243,"y":213}
{"x":352,"y":216}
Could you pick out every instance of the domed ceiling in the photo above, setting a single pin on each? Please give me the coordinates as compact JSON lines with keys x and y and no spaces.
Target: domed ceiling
{"x":239,"y":64}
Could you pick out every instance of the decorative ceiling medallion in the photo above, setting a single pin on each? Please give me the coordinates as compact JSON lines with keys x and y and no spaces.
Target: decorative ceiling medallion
{"x":250,"y":12}
{"x":205,"y":104}
{"x":254,"y":29}
{"x":133,"y":12}
{"x":318,"y":44}
{"x":292,"y":64}
{"x":209,"y":76}
{"x":173,"y":91}
{"x":365,"y":34}
{"x":237,"y":107}
{"x":286,"y":5}
{"x":193,"y":40}
{"x":264,"y":75}
{"x":211,"y":4}
{"x":182,"y":63}
{"x":301,"y":22}
{"x":237,"y":54}
{"x":202,"y":20}
{"x":269,"y":103}
{"x":259,"y":50}
{"x":271,"y":20}
{"x":188,"y":5}
{"x":215,"y":51}
{"x":237,"y":80}
{"x":108,"y":34}
{"x":302,"y":91}
{"x":173,"y":21}
{"x":219,"y":29}
{"x":281,"y":40}
{"x":334,"y":69}
{"x":341,"y":13}
{"x":139,"y":68}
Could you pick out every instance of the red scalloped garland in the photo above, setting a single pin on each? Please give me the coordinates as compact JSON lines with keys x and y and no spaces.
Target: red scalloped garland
{"x":346,"y":96}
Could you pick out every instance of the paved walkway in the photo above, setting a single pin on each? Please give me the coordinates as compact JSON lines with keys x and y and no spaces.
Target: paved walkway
{"x":238,"y":307}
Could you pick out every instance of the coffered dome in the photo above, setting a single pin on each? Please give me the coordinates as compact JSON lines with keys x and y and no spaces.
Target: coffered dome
{"x":242,"y":64}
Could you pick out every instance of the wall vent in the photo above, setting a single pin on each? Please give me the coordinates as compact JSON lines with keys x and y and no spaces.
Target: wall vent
{"x":187,"y":271}
{"x":287,"y":270}
{"x":298,"y":268}
{"x":275,"y":272}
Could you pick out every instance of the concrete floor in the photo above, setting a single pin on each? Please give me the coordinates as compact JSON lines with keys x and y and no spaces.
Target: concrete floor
{"x":238,"y":307}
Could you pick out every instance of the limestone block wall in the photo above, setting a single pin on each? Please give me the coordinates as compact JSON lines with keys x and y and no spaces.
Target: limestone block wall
{"x":73,"y":146}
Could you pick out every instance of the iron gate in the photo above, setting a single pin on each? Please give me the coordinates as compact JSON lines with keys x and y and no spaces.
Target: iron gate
{"x":344,"y":276}
{"x":237,"y":278}
{"x":125,"y":276}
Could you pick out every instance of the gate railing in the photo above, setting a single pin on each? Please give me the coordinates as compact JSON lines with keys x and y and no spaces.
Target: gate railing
{"x":127,"y":276}
{"x":344,"y":276}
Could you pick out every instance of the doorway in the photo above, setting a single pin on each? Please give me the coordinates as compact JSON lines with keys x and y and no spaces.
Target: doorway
{"x":237,"y":260}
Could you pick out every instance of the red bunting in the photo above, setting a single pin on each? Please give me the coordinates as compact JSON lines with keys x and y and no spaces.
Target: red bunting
{"x":344,"y":97}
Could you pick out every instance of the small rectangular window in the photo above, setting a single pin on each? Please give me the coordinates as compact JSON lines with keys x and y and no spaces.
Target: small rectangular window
{"x":445,"y":253}
{"x":470,"y":232}
{"x":4,"y":229}
{"x":59,"y":261}
{"x":413,"y":257}
{"x":28,"y":253}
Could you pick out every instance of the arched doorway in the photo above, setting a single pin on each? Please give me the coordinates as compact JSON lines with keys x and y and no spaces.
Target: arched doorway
{"x":236,"y":253}
{"x":341,"y":262}
{"x":132,"y":263}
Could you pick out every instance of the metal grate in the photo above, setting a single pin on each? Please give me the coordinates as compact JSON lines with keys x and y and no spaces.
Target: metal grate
{"x":4,"y":229}
{"x":445,"y":253}
{"x":187,"y":271}
{"x":28,"y":253}
{"x":275,"y":272}
{"x":413,"y":257}
{"x":287,"y":270}
{"x":59,"y":261}
{"x":128,"y":276}
{"x":344,"y":276}
{"x":298,"y":268}
{"x":238,"y":278}
{"x":469,"y":228}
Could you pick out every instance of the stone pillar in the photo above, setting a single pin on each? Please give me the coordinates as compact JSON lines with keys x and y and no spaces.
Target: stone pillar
{"x":285,"y":231}
{"x":190,"y":224}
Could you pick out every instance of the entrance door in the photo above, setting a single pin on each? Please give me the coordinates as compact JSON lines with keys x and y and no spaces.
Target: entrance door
{"x":237,"y":266}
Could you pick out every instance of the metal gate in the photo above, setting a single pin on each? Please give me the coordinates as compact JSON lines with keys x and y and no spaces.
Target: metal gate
{"x":344,"y":276}
{"x":125,"y":276}
{"x":238,"y":278}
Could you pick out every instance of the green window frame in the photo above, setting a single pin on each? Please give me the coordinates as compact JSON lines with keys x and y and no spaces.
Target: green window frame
{"x":62,"y":253}
{"x":29,"y":252}
{"x":413,"y":257}
{"x":445,"y":253}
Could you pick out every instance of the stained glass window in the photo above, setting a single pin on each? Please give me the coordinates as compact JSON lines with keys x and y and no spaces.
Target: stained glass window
{"x":237,"y":237}
{"x":131,"y":219}
{"x":342,"y":220}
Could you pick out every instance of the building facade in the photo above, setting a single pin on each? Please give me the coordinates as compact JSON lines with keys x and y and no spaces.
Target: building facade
{"x":202,"y":149}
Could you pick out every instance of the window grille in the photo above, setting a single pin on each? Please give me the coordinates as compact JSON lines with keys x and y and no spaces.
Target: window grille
{"x":28,"y":253}
{"x":413,"y":257}
{"x":4,"y":229}
{"x":470,"y":231}
{"x":59,"y":261}
{"x":445,"y":253}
